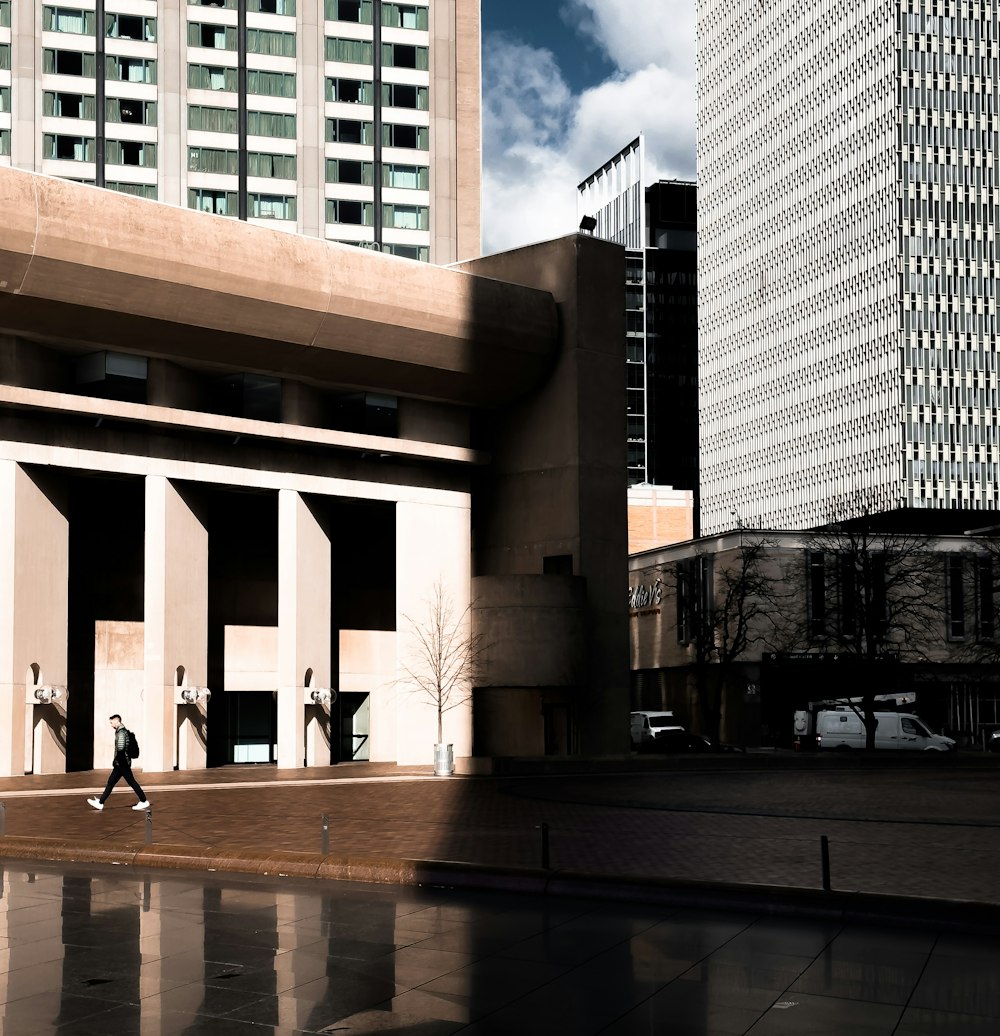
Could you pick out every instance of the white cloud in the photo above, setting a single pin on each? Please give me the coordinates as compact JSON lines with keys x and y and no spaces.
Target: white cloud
{"x":540,"y":140}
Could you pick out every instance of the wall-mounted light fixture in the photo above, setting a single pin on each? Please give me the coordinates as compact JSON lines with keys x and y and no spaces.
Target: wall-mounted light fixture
{"x":193,"y":695}
{"x":321,"y":695}
{"x":46,"y":693}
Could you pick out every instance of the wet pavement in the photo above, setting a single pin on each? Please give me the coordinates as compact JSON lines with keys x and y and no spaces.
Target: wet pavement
{"x":97,"y":951}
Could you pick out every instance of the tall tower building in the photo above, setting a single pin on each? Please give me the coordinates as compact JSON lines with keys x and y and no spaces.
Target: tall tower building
{"x":352,"y":120}
{"x":847,"y":258}
{"x":658,"y":227}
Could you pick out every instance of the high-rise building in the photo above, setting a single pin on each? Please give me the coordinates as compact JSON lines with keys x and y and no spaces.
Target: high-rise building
{"x":658,"y":227}
{"x":848,"y":193}
{"x":351,"y":120}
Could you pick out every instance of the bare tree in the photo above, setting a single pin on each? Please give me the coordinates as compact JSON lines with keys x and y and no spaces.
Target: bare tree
{"x":726,"y":608}
{"x":446,"y":655}
{"x":887,"y":590}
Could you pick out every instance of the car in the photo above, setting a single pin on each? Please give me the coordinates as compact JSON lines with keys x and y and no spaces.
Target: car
{"x":676,"y":739}
{"x":993,"y":741}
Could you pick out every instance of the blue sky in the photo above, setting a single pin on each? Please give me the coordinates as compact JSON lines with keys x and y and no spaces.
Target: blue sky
{"x":566,"y":84}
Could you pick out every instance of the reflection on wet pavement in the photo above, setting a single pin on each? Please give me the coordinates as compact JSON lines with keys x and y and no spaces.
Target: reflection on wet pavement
{"x":95,"y":951}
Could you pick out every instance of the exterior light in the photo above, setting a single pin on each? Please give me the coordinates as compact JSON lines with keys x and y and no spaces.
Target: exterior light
{"x":323,"y":695}
{"x":48,"y":693}
{"x":192,"y":695}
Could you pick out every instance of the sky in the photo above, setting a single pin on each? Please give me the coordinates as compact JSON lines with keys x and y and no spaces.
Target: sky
{"x":566,"y":85}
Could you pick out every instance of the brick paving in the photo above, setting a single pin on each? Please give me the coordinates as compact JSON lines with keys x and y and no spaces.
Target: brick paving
{"x":930,"y":829}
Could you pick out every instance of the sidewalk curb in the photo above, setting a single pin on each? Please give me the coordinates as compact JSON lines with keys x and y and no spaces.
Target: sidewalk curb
{"x":772,"y":900}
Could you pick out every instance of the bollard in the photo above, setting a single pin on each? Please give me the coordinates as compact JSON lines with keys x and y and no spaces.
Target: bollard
{"x":545,"y":846}
{"x":824,"y":849}
{"x":149,"y":827}
{"x":325,"y":840}
{"x":3,"y":820}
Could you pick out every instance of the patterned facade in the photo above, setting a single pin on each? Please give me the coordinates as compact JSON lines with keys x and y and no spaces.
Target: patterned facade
{"x":848,"y":206}
{"x":351,"y":120}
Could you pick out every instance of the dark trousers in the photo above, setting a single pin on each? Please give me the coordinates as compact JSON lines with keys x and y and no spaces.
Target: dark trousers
{"x":120,"y":770}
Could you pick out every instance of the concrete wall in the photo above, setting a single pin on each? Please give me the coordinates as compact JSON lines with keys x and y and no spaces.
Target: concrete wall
{"x":557,"y":484}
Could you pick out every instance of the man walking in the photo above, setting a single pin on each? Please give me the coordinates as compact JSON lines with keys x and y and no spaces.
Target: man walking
{"x":122,"y":767}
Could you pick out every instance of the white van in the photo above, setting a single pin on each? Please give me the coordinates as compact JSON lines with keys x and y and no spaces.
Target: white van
{"x":843,"y":728}
{"x":645,"y":726}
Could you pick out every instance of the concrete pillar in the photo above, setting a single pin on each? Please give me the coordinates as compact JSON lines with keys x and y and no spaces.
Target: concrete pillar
{"x":176,"y":628}
{"x":303,"y":620}
{"x":433,"y":547}
{"x":34,"y":608}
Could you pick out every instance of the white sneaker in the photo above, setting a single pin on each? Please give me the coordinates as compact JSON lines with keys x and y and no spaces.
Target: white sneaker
{"x":141,"y":805}
{"x":96,"y":803}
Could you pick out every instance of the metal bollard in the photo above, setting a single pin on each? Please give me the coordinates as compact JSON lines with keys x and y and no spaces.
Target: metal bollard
{"x":325,"y":839}
{"x":824,"y":850}
{"x":545,"y":846}
{"x":149,"y":827}
{"x":3,"y":819}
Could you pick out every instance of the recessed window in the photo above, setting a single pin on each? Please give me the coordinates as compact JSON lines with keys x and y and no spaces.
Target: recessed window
{"x":349,"y":11}
{"x":350,"y":91}
{"x":221,"y":203}
{"x":357,"y":213}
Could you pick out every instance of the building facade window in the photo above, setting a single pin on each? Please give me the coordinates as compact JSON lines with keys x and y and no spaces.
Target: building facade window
{"x":403,"y":95}
{"x":344,"y":170}
{"x":212,"y":77}
{"x":5,"y":142}
{"x":119,"y":68}
{"x":212,"y":120}
{"x":4,"y":14}
{"x":131,"y":152}
{"x":816,"y":589}
{"x":68,"y":19}
{"x":408,"y":177}
{"x":955,"y":591}
{"x":358,"y":213}
{"x":404,"y":16}
{"x":350,"y":131}
{"x":271,"y":206}
{"x":406,"y":217}
{"x":4,"y":99}
{"x":354,"y":52}
{"x":221,"y":203}
{"x":350,"y":91}
{"x":986,"y":600}
{"x":212,"y":160}
{"x":349,"y":11}
{"x":271,"y":124}
{"x":69,"y":106}
{"x":270,"y":84}
{"x":276,"y":44}
{"x":228,"y":4}
{"x":61,"y":62}
{"x":271,"y":6}
{"x":124,"y":109}
{"x":400,"y":135}
{"x":404,"y":55}
{"x":68,"y":149}
{"x":129,"y":27}
{"x":421,"y":253}
{"x":210,"y":36}
{"x":137,"y":190}
{"x":279,"y":167}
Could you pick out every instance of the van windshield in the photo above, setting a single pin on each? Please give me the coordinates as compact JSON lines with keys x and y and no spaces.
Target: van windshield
{"x":661,"y":721}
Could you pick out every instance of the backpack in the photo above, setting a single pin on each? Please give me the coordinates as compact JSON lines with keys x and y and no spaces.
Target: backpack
{"x":133,"y":746}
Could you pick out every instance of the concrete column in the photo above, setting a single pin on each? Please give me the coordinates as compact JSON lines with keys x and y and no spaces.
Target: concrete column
{"x":303,"y":619}
{"x":176,"y":628}
{"x":433,"y":546}
{"x":34,"y":595}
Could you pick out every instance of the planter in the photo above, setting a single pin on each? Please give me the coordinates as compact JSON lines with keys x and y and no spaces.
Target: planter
{"x":444,"y":760}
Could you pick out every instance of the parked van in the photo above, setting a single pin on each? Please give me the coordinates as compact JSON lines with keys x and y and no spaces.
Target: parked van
{"x":647,"y":726}
{"x":843,"y":728}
